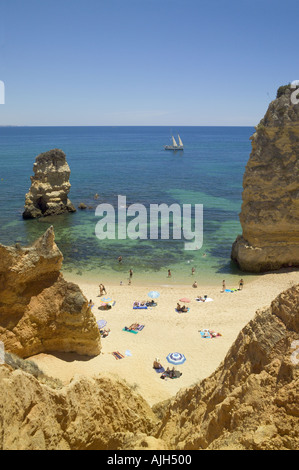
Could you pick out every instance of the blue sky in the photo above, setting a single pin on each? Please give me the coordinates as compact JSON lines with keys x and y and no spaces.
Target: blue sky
{"x":144,"y":62}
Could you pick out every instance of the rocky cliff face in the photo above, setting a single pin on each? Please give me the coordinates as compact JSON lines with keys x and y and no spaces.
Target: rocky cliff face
{"x":270,"y":209}
{"x":39,"y":310}
{"x":88,"y":414}
{"x":48,"y":194}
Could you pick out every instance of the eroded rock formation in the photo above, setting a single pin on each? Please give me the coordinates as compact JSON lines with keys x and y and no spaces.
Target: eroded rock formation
{"x":39,"y":310}
{"x":87,"y":414}
{"x":270,"y":211}
{"x":50,"y":186}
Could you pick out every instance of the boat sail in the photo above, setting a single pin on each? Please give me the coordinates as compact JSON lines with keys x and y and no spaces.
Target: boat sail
{"x":174,"y":145}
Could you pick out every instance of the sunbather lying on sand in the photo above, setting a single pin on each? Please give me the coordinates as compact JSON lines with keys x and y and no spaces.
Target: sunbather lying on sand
{"x":209,"y":333}
{"x":134,"y":326}
{"x":172,"y":374}
{"x":104,"y":332}
{"x":181,"y":309}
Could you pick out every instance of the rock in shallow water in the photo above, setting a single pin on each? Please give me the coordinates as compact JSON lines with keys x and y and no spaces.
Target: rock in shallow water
{"x":48,"y":194}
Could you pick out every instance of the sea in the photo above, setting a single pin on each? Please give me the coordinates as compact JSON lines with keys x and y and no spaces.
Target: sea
{"x":131,"y":162}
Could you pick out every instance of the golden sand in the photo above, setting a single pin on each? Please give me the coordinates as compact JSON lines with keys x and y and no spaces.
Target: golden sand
{"x":166,"y":331}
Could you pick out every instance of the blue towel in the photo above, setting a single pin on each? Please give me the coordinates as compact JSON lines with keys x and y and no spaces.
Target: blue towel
{"x":130,"y":331}
{"x":202,"y":334}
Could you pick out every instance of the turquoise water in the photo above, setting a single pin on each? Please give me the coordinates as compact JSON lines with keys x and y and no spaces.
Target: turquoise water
{"x":131,"y":161}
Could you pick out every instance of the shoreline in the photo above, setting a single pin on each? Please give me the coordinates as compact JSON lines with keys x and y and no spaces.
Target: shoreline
{"x":166,"y":331}
{"x":150,"y":280}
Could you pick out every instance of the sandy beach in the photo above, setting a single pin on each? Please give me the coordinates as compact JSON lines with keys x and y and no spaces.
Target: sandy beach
{"x":166,"y":331}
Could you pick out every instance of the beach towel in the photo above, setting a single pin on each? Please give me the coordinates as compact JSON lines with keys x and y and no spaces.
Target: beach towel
{"x":205,"y":334}
{"x":117,"y":355}
{"x":130,"y":331}
{"x":128,"y":353}
{"x":139,"y":307}
{"x":135,"y":328}
{"x":208,"y":334}
{"x":208,"y":299}
{"x":231,"y":290}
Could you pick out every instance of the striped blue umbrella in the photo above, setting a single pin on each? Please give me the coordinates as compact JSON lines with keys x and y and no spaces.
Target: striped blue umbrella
{"x":176,"y":358}
{"x":153,"y":294}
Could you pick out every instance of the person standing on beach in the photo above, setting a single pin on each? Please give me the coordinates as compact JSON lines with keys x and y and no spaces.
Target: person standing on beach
{"x":120,"y":258}
{"x":193,"y":271}
{"x":131,"y":273}
{"x":169,"y":273}
{"x":241,"y":283}
{"x":223,"y":285}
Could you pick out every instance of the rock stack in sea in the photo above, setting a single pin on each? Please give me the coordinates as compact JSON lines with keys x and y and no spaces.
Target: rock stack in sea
{"x":39,"y":310}
{"x":270,"y":211}
{"x":50,"y":186}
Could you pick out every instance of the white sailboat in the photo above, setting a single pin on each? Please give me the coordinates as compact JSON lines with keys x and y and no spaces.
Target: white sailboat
{"x":174,"y":145}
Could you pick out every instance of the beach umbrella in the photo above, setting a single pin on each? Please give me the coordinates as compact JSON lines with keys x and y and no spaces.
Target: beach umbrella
{"x":107,"y":300}
{"x":184,"y":299}
{"x":153,"y":294}
{"x":176,"y":358}
{"x":101,"y":324}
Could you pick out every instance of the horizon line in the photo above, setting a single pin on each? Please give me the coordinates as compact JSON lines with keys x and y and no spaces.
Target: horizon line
{"x":125,"y":125}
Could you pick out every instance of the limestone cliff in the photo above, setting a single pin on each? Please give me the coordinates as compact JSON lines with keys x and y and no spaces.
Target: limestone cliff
{"x":39,"y":310}
{"x":50,"y":185}
{"x":251,"y":401}
{"x":87,"y":414}
{"x":270,"y":210}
